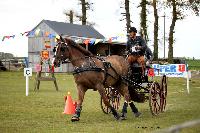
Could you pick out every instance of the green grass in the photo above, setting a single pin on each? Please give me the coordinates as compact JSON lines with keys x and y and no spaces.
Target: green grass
{"x":41,"y":111}
{"x":194,"y":64}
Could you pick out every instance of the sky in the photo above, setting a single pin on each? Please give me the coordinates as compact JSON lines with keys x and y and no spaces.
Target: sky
{"x":18,"y":16}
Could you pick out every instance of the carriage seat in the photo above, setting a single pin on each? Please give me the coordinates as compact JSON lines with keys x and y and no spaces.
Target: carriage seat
{"x":137,"y":73}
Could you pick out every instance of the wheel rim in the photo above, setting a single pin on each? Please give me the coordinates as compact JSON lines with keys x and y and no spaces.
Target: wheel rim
{"x":164,"y":92}
{"x":104,"y":108}
{"x":113,"y":98}
{"x":155,"y":98}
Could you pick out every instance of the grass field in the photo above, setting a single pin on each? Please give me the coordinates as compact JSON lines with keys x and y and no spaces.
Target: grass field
{"x":41,"y":111}
{"x":193,"y":64}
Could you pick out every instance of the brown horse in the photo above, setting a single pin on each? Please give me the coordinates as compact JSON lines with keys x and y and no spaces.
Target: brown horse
{"x":94,"y":72}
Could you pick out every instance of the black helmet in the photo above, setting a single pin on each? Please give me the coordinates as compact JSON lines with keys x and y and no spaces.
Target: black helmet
{"x":133,"y":29}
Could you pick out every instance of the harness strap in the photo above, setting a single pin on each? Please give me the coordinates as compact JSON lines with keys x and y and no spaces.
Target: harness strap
{"x":83,"y":69}
{"x":108,"y":65}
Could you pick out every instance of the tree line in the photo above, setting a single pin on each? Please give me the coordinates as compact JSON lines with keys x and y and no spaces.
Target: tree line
{"x":179,"y":9}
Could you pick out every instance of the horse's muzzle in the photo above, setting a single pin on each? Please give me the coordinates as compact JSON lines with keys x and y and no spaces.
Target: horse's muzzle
{"x":56,"y":63}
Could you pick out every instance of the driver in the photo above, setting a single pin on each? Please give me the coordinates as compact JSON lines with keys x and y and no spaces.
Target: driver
{"x":136,"y":48}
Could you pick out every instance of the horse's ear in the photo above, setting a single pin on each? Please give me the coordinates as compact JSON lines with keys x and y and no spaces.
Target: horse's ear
{"x":57,"y":40}
{"x":67,"y":40}
{"x":62,"y":39}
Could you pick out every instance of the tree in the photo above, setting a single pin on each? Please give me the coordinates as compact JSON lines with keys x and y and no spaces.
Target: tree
{"x":143,"y":18}
{"x":155,"y":52}
{"x":84,"y":7}
{"x":179,"y":10}
{"x":128,"y":20}
{"x":70,"y":14}
{"x":127,"y":15}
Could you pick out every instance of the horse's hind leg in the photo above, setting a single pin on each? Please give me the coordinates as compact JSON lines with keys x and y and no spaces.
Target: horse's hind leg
{"x":81,"y":94}
{"x":101,"y":91}
{"x":123,"y":90}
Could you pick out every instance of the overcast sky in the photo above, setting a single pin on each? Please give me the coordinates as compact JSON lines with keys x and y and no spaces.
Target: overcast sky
{"x":18,"y":16}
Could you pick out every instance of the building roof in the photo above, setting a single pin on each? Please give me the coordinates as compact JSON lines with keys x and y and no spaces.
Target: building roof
{"x":75,"y":30}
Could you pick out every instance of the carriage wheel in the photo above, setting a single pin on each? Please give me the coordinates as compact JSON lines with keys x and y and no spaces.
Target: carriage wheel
{"x":163,"y":92}
{"x":155,"y":98}
{"x":113,"y":98}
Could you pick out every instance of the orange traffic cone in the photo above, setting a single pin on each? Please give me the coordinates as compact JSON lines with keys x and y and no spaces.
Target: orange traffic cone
{"x":69,"y":106}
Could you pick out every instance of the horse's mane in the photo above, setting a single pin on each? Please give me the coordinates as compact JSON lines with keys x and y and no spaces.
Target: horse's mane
{"x":80,"y":48}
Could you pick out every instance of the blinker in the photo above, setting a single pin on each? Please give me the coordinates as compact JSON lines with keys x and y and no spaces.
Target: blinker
{"x":54,"y":49}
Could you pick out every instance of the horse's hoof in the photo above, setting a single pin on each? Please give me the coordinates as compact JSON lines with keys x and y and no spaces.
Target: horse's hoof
{"x":123,"y":116}
{"x":117,"y":117}
{"x":73,"y":119}
{"x":138,"y":114}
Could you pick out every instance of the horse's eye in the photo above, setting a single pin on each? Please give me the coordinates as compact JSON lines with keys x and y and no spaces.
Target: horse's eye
{"x":54,"y":49}
{"x":62,"y":49}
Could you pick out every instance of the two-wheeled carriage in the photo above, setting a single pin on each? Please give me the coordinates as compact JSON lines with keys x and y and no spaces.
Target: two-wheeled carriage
{"x":141,"y":89}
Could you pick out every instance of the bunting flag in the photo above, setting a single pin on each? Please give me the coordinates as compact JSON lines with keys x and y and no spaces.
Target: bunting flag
{"x":92,"y":41}
{"x":97,"y":41}
{"x":31,"y":33}
{"x":13,"y":36}
{"x":46,"y":34}
{"x":79,"y":41}
{"x":3,"y":38}
{"x":87,"y":41}
{"x":24,"y":33}
{"x":51,"y":36}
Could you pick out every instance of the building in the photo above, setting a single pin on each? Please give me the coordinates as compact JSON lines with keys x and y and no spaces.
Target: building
{"x":46,"y":31}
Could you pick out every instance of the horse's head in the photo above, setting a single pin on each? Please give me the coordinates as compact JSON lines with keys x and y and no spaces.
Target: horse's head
{"x":68,"y":49}
{"x":61,"y":52}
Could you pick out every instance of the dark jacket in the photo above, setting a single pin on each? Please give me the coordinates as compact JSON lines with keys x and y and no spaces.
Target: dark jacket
{"x":149,"y":54}
{"x":137,"y":41}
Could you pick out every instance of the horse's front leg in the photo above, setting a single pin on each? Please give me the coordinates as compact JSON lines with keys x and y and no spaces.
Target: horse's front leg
{"x":81,"y":94}
{"x":101,"y":91}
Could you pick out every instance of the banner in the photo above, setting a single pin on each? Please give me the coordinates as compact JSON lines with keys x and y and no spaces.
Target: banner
{"x":170,"y":70}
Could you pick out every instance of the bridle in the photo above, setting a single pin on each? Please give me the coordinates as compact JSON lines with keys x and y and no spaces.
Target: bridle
{"x":62,"y":50}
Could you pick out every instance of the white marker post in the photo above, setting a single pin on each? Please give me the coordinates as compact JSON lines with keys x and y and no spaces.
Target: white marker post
{"x":188,"y":81}
{"x":27,"y":73}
